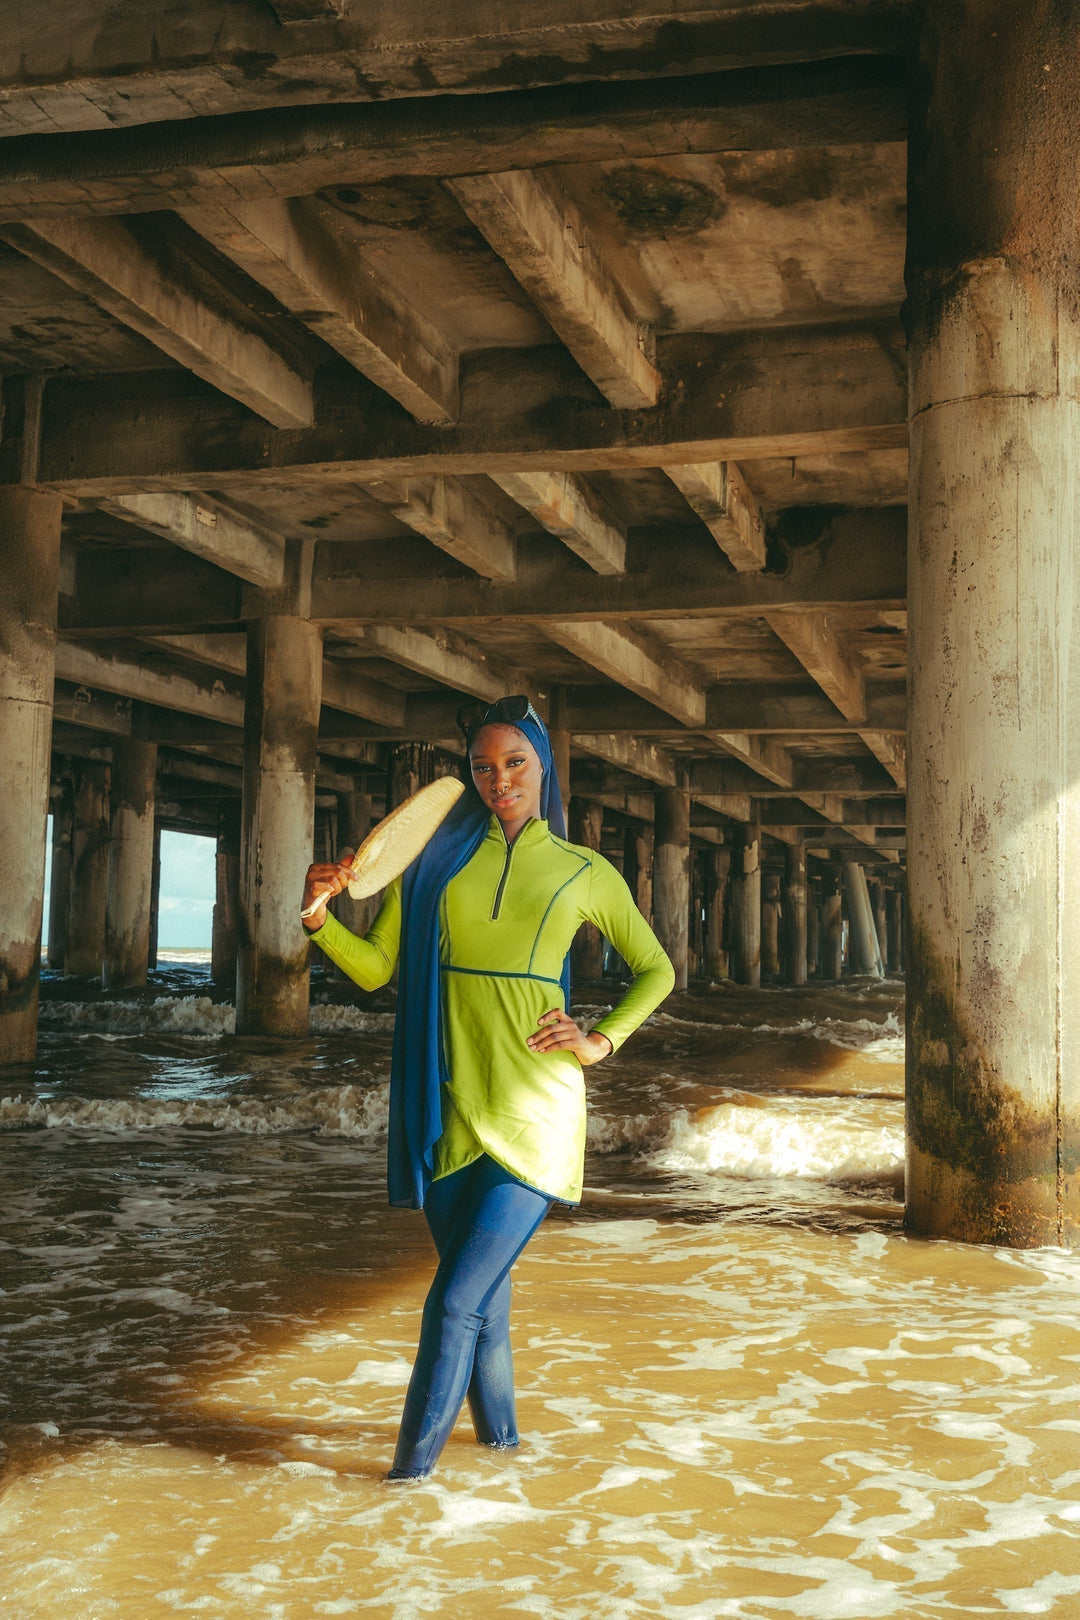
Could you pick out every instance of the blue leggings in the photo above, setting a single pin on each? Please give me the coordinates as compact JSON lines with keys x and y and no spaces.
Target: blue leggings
{"x":481,"y":1218}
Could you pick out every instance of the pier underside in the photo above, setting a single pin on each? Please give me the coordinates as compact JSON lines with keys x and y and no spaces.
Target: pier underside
{"x":356,"y":366}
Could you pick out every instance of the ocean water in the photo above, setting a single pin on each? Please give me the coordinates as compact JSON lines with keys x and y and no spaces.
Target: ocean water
{"x":743,"y":1391}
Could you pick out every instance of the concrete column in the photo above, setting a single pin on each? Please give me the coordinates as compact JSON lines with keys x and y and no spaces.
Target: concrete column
{"x":89,"y":871}
{"x":832,"y":930}
{"x":993,"y":810}
{"x":131,"y":860}
{"x":717,"y":872}
{"x":813,"y":933}
{"x":354,"y":823}
{"x":671,"y":878}
{"x":410,"y":768}
{"x":865,"y":953}
{"x":795,"y":941}
{"x":586,"y":826}
{"x":29,"y":571}
{"x":642,"y":886}
{"x":770,"y":927}
{"x":226,"y":895}
{"x":60,"y":886}
{"x":155,"y":900}
{"x":894,"y":928}
{"x":559,"y":733}
{"x":876,"y":891}
{"x":746,"y":904}
{"x":284,"y":689}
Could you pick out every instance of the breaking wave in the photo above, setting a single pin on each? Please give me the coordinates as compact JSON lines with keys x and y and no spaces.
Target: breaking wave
{"x":357,"y":1112}
{"x":196,"y":1016}
{"x":750,"y":1141}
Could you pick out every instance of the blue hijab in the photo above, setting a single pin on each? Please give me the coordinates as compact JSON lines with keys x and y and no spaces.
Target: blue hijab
{"x":418,"y":1068}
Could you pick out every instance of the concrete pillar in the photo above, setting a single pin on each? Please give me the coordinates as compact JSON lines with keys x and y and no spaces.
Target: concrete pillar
{"x":29,"y":571}
{"x":671,"y":878}
{"x":60,"y":885}
{"x":993,"y":810}
{"x":717,"y":872}
{"x":641,"y":887}
{"x":89,"y":871}
{"x":794,"y":919}
{"x":284,"y":689}
{"x":131,"y":860}
{"x":876,"y":891}
{"x":746,"y":904}
{"x":586,"y":826}
{"x":813,"y":933}
{"x":770,"y":927}
{"x":559,"y":733}
{"x":155,"y":900}
{"x":226,"y":895}
{"x":865,"y":953}
{"x":894,"y":929}
{"x":832,"y":930}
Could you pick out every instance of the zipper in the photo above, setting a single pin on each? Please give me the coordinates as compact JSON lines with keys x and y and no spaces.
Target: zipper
{"x":497,"y":906}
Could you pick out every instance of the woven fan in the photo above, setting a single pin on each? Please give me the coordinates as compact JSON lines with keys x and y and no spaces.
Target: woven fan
{"x":398,"y":839}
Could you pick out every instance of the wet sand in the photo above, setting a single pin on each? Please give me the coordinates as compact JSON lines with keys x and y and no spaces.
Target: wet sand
{"x":743,"y":1390}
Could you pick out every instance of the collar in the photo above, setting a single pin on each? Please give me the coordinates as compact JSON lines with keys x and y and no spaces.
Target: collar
{"x":533,"y":832}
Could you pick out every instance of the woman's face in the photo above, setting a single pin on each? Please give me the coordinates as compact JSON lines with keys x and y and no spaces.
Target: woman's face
{"x":507,"y":772}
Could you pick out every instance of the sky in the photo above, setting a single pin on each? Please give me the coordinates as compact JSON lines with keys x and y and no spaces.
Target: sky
{"x":186,"y":906}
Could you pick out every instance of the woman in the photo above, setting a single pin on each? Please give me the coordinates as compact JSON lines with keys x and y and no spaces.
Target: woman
{"x":487,"y":1100}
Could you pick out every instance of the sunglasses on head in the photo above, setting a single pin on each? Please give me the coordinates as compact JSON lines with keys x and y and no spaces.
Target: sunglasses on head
{"x":507,"y":711}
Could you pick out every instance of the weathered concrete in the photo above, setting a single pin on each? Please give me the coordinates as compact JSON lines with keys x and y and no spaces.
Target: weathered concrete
{"x":131,"y":862}
{"x":639,"y":871}
{"x":877,"y":910}
{"x":770,"y":927}
{"x":993,"y":1015}
{"x":796,"y":948}
{"x":894,"y":930}
{"x":746,"y":904}
{"x":865,"y":955}
{"x":813,"y":932}
{"x":586,"y":826}
{"x":60,"y":881}
{"x":226,"y":896}
{"x":155,"y":902}
{"x":832,"y":930}
{"x":29,"y":568}
{"x":89,"y":871}
{"x":671,"y":878}
{"x":718,"y":871}
{"x":280,"y":733}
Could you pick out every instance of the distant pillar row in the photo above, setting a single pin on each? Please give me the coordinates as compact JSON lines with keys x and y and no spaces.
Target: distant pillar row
{"x":795,"y":934}
{"x":671,"y":878}
{"x":993,"y":808}
{"x":832,"y":928}
{"x":746,"y":905}
{"x":281,"y":722}
{"x":29,"y":573}
{"x":586,"y":826}
{"x":718,"y":872}
{"x":60,"y":886}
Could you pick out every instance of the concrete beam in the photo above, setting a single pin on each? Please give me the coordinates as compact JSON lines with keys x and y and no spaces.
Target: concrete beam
{"x":812,"y":638}
{"x":758,"y":753}
{"x":108,"y":262}
{"x":891,"y":750}
{"x":300,"y":249}
{"x":295,"y":151}
{"x":455,"y":520}
{"x":631,"y":754}
{"x":719,"y":494}
{"x":862,"y":562}
{"x":165,"y":687}
{"x":630,"y":660}
{"x":732,"y":397}
{"x":202,"y":525}
{"x":548,"y":246}
{"x":571,"y":509}
{"x":443,"y":657}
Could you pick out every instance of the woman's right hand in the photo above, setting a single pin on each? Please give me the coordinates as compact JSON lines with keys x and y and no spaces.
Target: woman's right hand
{"x":324,"y":880}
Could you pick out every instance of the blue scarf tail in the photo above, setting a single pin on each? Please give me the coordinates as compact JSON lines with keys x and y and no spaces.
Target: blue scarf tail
{"x":418,"y":1067}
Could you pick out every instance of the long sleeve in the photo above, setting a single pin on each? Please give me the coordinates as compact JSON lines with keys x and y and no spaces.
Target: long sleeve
{"x":369,"y":960}
{"x":612,"y":909}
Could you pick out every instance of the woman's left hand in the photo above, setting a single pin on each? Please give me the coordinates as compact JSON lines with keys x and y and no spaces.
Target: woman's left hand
{"x":559,"y":1033}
